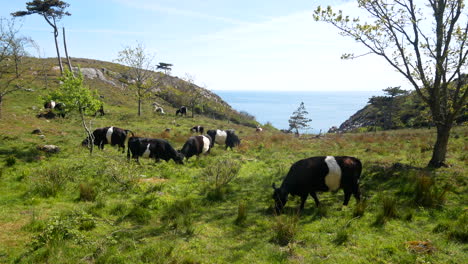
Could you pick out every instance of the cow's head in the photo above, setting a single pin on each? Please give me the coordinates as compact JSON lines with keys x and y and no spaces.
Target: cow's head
{"x":281,"y":197}
{"x":179,"y":159}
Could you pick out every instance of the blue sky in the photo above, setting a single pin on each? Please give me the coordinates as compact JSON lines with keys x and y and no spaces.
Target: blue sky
{"x":222,"y":45}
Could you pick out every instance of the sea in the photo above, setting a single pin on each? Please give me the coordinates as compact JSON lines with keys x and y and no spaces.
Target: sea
{"x":325,"y":108}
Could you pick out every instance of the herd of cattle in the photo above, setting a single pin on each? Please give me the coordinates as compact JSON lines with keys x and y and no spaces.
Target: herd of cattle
{"x":160,"y":148}
{"x":305,"y":177}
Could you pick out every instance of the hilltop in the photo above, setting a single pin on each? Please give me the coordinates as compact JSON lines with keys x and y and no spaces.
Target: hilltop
{"x":112,"y":82}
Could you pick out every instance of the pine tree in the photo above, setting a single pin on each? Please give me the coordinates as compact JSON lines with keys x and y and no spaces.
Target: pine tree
{"x":298,"y":120}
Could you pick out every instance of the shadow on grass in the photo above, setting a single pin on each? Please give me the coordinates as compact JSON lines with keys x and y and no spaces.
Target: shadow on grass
{"x":26,"y":154}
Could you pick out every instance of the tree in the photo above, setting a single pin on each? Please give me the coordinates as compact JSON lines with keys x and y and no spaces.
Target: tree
{"x":77,"y":98}
{"x":52,"y":11}
{"x":430,"y":51}
{"x":298,"y":120}
{"x":140,"y":70}
{"x":166,"y":67}
{"x":392,"y":94}
{"x":12,"y":52}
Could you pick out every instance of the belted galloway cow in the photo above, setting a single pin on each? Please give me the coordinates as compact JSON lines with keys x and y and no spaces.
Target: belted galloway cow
{"x":319,"y":174}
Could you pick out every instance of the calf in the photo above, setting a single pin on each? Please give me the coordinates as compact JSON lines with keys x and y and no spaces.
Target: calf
{"x":152,"y":148}
{"x":314,"y":174}
{"x":198,"y":129}
{"x":182,"y":111}
{"x":196,"y":145}
{"x":224,"y":137}
{"x":110,"y":135}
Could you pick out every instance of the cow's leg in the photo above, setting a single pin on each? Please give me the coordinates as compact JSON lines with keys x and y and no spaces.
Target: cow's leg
{"x":314,"y":195}
{"x":347,"y":195}
{"x":303,"y":200}
{"x":357,"y":193}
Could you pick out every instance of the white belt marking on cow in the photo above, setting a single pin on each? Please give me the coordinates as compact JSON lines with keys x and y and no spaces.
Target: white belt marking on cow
{"x":147,"y":152}
{"x":206,"y":144}
{"x":221,"y":136}
{"x":52,"y":104}
{"x":109,"y":135}
{"x":333,"y":178}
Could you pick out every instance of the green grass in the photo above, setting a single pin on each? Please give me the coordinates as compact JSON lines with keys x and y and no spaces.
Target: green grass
{"x":71,"y":207}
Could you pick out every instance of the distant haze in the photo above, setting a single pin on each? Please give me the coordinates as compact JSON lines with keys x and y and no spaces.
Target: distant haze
{"x":241,"y":45}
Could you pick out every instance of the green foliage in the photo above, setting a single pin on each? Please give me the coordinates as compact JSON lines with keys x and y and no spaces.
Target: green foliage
{"x":10,"y":161}
{"x":218,"y":176}
{"x":241,"y":213}
{"x":75,"y":95}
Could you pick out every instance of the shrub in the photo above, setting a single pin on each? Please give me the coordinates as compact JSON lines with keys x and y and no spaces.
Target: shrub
{"x":218,"y":176}
{"x":285,"y":229}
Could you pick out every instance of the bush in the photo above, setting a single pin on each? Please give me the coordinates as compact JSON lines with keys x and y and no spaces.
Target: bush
{"x":218,"y":176}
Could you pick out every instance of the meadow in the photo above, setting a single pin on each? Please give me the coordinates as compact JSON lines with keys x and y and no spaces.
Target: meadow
{"x":73,"y":207}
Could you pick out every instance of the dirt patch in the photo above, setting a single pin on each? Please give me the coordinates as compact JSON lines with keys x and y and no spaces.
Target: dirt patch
{"x":420,"y":246}
{"x":153,"y":180}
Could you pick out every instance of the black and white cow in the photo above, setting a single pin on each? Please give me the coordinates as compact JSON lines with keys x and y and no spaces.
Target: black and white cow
{"x":224,"y":137}
{"x":197,"y":129}
{"x":319,"y":174}
{"x":182,"y":111}
{"x":59,"y":107}
{"x":196,"y":145}
{"x":110,"y":135}
{"x":154,"y":148}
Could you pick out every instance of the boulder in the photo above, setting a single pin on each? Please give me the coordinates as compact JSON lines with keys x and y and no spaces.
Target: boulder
{"x":49,"y":148}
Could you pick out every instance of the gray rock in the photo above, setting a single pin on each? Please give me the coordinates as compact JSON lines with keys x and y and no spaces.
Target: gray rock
{"x":49,"y":148}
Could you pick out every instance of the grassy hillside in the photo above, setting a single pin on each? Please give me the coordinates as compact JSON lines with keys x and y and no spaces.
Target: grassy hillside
{"x":72,"y":207}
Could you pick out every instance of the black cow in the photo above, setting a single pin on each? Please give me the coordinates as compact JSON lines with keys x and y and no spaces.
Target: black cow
{"x":182,"y":111}
{"x":224,"y":137}
{"x":196,"y":145}
{"x":319,"y":174}
{"x":110,"y":135}
{"x":152,"y":148}
{"x":198,"y":129}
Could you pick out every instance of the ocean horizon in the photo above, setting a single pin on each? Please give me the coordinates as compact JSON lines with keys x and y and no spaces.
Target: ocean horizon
{"x":326,"y":108}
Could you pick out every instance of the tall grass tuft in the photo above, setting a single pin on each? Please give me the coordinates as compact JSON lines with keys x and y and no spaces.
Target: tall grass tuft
{"x":360,"y":208}
{"x":389,"y":211}
{"x":341,"y":237}
{"x":87,"y":192}
{"x":285,"y":229}
{"x":177,"y":216}
{"x":426,"y":192}
{"x":49,"y":181}
{"x":241,"y":213}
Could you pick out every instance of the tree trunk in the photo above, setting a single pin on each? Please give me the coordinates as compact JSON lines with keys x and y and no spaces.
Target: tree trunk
{"x":1,"y":103}
{"x":440,"y":147}
{"x":66,"y":52}
{"x":58,"y":51}
{"x":139,"y":106}
{"x":88,"y":132}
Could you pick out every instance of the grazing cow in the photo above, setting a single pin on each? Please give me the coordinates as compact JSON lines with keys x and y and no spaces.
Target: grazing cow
{"x":198,"y":129}
{"x":196,"y":145}
{"x":258,"y":129}
{"x":315,"y":174}
{"x":159,"y":110}
{"x":182,"y":111}
{"x":152,"y":148}
{"x":49,"y":105}
{"x":224,"y":137}
{"x":52,"y":105}
{"x":110,"y":135}
{"x":100,"y":111}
